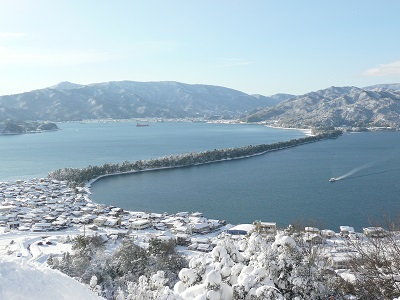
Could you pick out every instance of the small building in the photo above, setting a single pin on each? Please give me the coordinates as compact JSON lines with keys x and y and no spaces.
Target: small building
{"x":341,"y":260}
{"x":140,"y":224}
{"x":182,"y":239}
{"x":41,"y":227}
{"x":374,"y":232}
{"x":182,"y":214}
{"x":197,"y":214}
{"x":159,"y":226}
{"x":25,"y":227}
{"x":77,"y":213}
{"x":99,"y":221}
{"x":201,"y":227}
{"x":327,"y":233}
{"x":181,"y":229}
{"x":346,"y":230}
{"x":265,"y":228}
{"x":314,"y":230}
{"x":241,"y":229}
{"x":5,"y":208}
{"x":13,"y":224}
{"x":204,"y":248}
{"x":112,"y":222}
{"x":193,"y":246}
{"x":200,"y":240}
{"x":313,"y":238}
{"x":3,"y":220}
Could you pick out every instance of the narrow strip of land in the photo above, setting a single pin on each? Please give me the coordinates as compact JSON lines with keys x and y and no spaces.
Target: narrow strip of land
{"x":80,"y":177}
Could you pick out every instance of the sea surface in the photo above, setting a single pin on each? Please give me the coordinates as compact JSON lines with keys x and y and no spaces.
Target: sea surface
{"x":287,"y":186}
{"x":78,"y":145}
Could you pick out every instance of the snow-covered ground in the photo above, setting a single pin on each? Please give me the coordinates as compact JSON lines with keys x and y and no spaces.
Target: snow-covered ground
{"x":21,"y":279}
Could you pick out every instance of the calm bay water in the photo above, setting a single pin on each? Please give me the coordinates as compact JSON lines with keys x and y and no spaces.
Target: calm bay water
{"x":281,"y":186}
{"x":79,"y":145}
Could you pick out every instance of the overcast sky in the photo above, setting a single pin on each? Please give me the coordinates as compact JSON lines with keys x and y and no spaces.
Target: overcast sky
{"x":255,"y":46}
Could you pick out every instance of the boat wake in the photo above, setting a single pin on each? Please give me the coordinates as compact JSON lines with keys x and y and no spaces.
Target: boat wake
{"x":375,"y":173}
{"x":354,"y":171}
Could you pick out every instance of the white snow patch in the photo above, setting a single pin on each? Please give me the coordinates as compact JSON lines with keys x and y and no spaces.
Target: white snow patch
{"x":21,"y":279}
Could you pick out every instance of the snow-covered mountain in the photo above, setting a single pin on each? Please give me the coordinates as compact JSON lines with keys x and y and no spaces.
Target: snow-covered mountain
{"x":274,"y":99}
{"x":388,"y":86}
{"x":376,"y":105}
{"x":127,"y":99}
{"x":66,"y":85}
{"x":335,"y":106}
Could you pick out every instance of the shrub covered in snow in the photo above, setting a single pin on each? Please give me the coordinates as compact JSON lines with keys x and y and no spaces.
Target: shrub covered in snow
{"x":265,"y":268}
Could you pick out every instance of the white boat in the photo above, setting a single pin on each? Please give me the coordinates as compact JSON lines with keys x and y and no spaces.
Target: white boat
{"x":332,"y":179}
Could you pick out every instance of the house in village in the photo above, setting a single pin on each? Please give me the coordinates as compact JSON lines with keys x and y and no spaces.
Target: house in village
{"x":313,"y":230}
{"x":182,"y":239}
{"x":13,"y":224}
{"x":241,"y":229}
{"x":41,"y":227}
{"x":374,"y":232}
{"x":140,"y":224}
{"x":342,"y":259}
{"x":265,"y":228}
{"x":327,"y":233}
{"x":345,"y":231}
{"x":112,"y":222}
{"x":201,"y":227}
{"x":313,"y":238}
{"x":99,"y":221}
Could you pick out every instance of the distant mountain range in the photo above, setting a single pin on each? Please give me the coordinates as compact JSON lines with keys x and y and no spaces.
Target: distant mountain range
{"x":373,"y":106}
{"x":126,"y":99}
{"x":377,"y":105}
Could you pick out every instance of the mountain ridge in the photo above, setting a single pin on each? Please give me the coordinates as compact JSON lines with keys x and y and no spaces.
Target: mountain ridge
{"x":127,"y":99}
{"x":344,"y":107}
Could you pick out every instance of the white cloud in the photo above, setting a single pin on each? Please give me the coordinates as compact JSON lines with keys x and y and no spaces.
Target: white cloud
{"x":385,"y":69}
{"x":11,"y":34}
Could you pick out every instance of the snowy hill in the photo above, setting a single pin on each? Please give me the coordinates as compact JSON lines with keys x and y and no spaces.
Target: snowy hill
{"x":66,"y":85}
{"x":334,"y":107}
{"x":388,"y":86}
{"x":127,"y":99}
{"x":24,"y":280}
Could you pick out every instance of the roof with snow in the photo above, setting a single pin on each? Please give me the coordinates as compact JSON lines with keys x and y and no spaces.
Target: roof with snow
{"x":241,"y":229}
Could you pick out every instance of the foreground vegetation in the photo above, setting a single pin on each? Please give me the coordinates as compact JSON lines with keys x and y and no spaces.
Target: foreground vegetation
{"x":78,"y":177}
{"x":256,"y":267}
{"x":108,"y":274}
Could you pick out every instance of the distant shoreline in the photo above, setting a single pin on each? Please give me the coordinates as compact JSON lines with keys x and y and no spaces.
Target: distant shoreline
{"x":307,"y":132}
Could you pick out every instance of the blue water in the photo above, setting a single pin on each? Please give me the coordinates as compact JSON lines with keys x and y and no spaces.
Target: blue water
{"x":79,"y":145}
{"x":285,"y":186}
{"x":282,"y":186}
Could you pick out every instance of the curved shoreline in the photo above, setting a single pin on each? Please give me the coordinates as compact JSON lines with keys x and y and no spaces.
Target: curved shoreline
{"x":88,"y":184}
{"x":90,"y":174}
